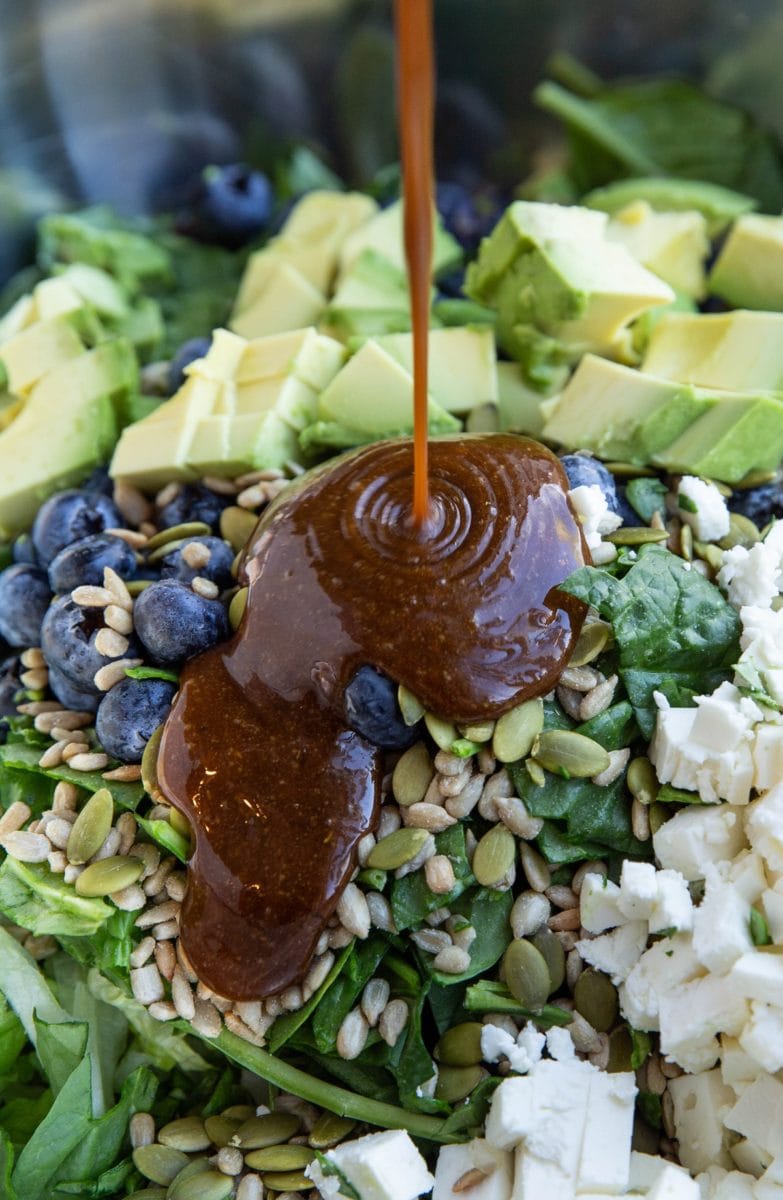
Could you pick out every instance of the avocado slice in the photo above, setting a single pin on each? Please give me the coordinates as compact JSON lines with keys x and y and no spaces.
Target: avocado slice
{"x":748,"y":272}
{"x":383,"y":233}
{"x":718,"y":205}
{"x":673,"y":245}
{"x":287,"y":300}
{"x":462,"y":365}
{"x":519,"y":406}
{"x":736,"y":351}
{"x":39,"y":348}
{"x":740,"y":433}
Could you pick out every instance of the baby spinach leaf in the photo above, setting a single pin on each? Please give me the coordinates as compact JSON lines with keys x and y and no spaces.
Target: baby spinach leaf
{"x":61,"y":1048}
{"x":412,"y":900}
{"x":555,"y":845}
{"x":286,"y":1025}
{"x":468,"y":1117}
{"x":34,"y":790}
{"x":31,"y":896}
{"x":446,"y":1006}
{"x":358,"y":968}
{"x":12,"y":1037}
{"x":413,"y":1065}
{"x":25,"y":759}
{"x":487,"y":911}
{"x":167,"y":837}
{"x":7,"y":1190}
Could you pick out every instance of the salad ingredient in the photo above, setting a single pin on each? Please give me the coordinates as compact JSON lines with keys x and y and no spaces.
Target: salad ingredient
{"x":67,"y":518}
{"x":674,"y":246}
{"x":718,"y":205}
{"x":24,"y":600}
{"x":380,"y":1166}
{"x":371,"y":709}
{"x":370,"y":299}
{"x":83,"y":562}
{"x":233,"y":204}
{"x":69,"y":636}
{"x":732,"y":350}
{"x":701,"y":506}
{"x":747,"y":270}
{"x":129,"y":714}
{"x":174,"y":622}
{"x":203,"y":557}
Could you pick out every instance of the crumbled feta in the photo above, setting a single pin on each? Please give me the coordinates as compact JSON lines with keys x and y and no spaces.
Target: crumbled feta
{"x":757,"y":1114}
{"x":545,"y":1110}
{"x":762,"y":1037}
{"x":704,"y":508}
{"x":736,"y":1067}
{"x":750,"y":577}
{"x":638,"y":890}
{"x":673,"y":908}
{"x":560,"y":1045}
{"x":758,"y":976}
{"x":616,"y":953}
{"x":700,"y":1104}
{"x":764,"y":827}
{"x":604,"y":1163}
{"x":696,"y":837}
{"x":727,"y":1185}
{"x":522,"y":1052}
{"x":380,"y":1166}
{"x":693,"y":1013}
{"x":598,"y":904}
{"x":594,"y":514}
{"x":673,"y":1183}
{"x":668,"y":962}
{"x":721,"y":924}
{"x":454,"y":1161}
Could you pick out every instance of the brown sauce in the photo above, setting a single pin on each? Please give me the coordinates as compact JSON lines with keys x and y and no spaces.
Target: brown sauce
{"x":257,"y":753}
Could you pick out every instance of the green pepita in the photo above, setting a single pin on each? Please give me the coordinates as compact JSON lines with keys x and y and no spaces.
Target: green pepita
{"x":592,"y":640}
{"x":526,"y":974}
{"x":149,"y":767}
{"x":109,"y":875}
{"x":412,"y":775}
{"x":330,"y":1129}
{"x":494,"y":856}
{"x":187,"y":1133}
{"x":236,"y":526}
{"x":411,"y":707}
{"x":90,"y":828}
{"x":280,"y":1158}
{"x":188,"y":529}
{"x":480,"y":732}
{"x":658,"y":814}
{"x":642,"y":781}
{"x":221,"y":1130}
{"x":742,"y":532}
{"x":236,"y":609}
{"x":620,"y":1050}
{"x":160,"y":1164}
{"x":570,"y":754}
{"x":636,"y":535}
{"x":549,"y":945}
{"x":455,"y":1083}
{"x":626,"y":470}
{"x":516,"y":731}
{"x":179,"y":1188}
{"x":239,"y":1112}
{"x":137,"y":586}
{"x":710,"y":554}
{"x":180,"y":823}
{"x":443,"y":733}
{"x":460,"y":1046}
{"x":535,"y":771}
{"x":287,"y":1181}
{"x":373,"y":881}
{"x":269,"y":1130}
{"x":205,"y":1185}
{"x":159,"y":553}
{"x":595,"y":998}
{"x":397,"y":848}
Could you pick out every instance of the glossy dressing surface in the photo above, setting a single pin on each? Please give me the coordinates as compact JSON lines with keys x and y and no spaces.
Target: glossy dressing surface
{"x":257,"y":752}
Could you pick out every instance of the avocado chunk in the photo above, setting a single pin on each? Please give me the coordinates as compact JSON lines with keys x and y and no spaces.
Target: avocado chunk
{"x":462,"y":365}
{"x":673,"y":245}
{"x":718,"y":205}
{"x":34,"y":351}
{"x":288,"y":300}
{"x":383,"y":233}
{"x":373,"y":395}
{"x":371,"y":299}
{"x":519,"y":406}
{"x":748,"y":272}
{"x":737,"y":351}
{"x":643,"y":326}
{"x":559,"y":286}
{"x":98,"y":238}
{"x":739,"y":434}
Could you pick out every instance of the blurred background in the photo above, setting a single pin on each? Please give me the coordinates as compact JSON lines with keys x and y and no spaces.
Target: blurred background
{"x":122,"y":102}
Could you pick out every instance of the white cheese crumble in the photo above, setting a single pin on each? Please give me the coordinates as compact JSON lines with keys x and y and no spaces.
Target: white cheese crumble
{"x":596,"y":518}
{"x":700,"y":505}
{"x":380,"y":1166}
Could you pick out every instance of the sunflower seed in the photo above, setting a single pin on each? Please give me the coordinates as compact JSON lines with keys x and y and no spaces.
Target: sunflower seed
{"x":91,"y":827}
{"x":428,"y":816}
{"x":25,"y":846}
{"x":452,"y":961}
{"x":118,"y":619}
{"x":439,"y":874}
{"x":105,"y":679}
{"x":380,"y":912}
{"x":513,"y":813}
{"x":618,"y":760}
{"x":129,"y":899}
{"x":641,"y":822}
{"x":453,"y":785}
{"x":374,"y":999}
{"x":351,"y":1036}
{"x":529,"y":912}
{"x":353,"y":911}
{"x":598,"y":700}
{"x":570,"y":754}
{"x":388,"y":822}
{"x":462,"y":804}
{"x":15,"y":816}
{"x":141,"y":1130}
{"x":89,"y":596}
{"x":250,"y":1188}
{"x":393,"y":1020}
{"x":161,"y":1164}
{"x":111,"y":644}
{"x":497,"y":786}
{"x":109,"y":846}
{"x":431,"y":941}
{"x":52,"y":756}
{"x":535,"y":867}
{"x":206,"y":1019}
{"x":516,"y":731}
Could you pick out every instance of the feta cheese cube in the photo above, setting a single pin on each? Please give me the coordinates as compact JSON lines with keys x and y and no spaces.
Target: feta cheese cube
{"x":721,"y":925}
{"x":758,"y":976}
{"x":381,"y":1166}
{"x":593,"y":512}
{"x":535,"y":1108}
{"x":747,"y":876}
{"x":700,"y":1104}
{"x":644,"y":1170}
{"x":720,"y":723}
{"x":674,"y":1184}
{"x":736,"y":1067}
{"x":616,"y":953}
{"x":757,"y":1114}
{"x":749,"y":577}
{"x":764,"y":827}
{"x":536,"y":1176}
{"x":710,"y":520}
{"x":605,"y":1159}
{"x":454,"y":1161}
{"x":680,"y":759}
{"x":762,"y":1037}
{"x":669,"y":962}
{"x":734,"y":1186}
{"x":768,"y":749}
{"x":692,"y":1014}
{"x":638,"y":890}
{"x":673,"y":908}
{"x":598,"y":904}
{"x":697,"y":836}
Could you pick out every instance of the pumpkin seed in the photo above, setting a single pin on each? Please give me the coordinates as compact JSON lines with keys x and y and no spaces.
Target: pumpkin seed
{"x":330,"y":1129}
{"x":90,"y":828}
{"x":535,"y":771}
{"x":480,"y":732}
{"x":153,"y":1193}
{"x":221,"y":1130}
{"x":280,"y":1158}
{"x":642,"y":781}
{"x":236,"y":526}
{"x":269,"y":1130}
{"x":136,"y":586}
{"x":626,"y":470}
{"x":549,"y":945}
{"x":593,"y":638}
{"x":686,"y":543}
{"x":397,"y":848}
{"x":570,"y":754}
{"x":203,"y":1185}
{"x":516,"y":731}
{"x":742,"y":532}
{"x":595,"y":997}
{"x":108,"y":875}
{"x":160,"y":1164}
{"x":443,"y":733}
{"x":411,"y":707}
{"x":494,"y":856}
{"x":187,"y":1133}
{"x":159,"y":553}
{"x":709,"y":553}
{"x":180,"y":823}
{"x":460,"y":1046}
{"x":526,"y":974}
{"x":412,"y":775}
{"x":239,"y":1112}
{"x":149,"y":767}
{"x":636,"y":535}
{"x":455,"y":1083}
{"x":185,"y":531}
{"x":620,"y":1050}
{"x":659,"y":813}
{"x":178,"y":1189}
{"x":236,"y":609}
{"x":287,"y":1181}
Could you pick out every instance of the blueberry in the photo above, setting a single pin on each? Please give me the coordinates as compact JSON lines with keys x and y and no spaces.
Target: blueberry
{"x":9,"y":686}
{"x":469,"y":214}
{"x":69,"y":516}
{"x":24,"y":599}
{"x":69,"y":694}
{"x":193,"y":502}
{"x":68,"y":641}
{"x":187,"y":353}
{"x":371,"y":709}
{"x":583,"y":471}
{"x":83,"y":562}
{"x":99,"y":481}
{"x":760,"y":504}
{"x":175,"y":623}
{"x":23,"y":550}
{"x":234,"y":205}
{"x":218,"y":569}
{"x":130,"y":713}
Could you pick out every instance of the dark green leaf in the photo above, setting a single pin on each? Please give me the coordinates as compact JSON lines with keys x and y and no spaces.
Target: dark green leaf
{"x":7,"y":1190}
{"x":556,"y":847}
{"x":167,"y":837}
{"x":60,"y":1048}
{"x":645,"y":497}
{"x":641,"y":1045}
{"x":99,"y":1148}
{"x":649,"y":1106}
{"x":287,"y":1024}
{"x":759,"y":929}
{"x":487,"y":911}
{"x":65,"y":1125}
{"x":468,"y":1117}
{"x":12,"y":1037}
{"x":413,"y":1065}
{"x":31,"y":896}
{"x":25,"y":759}
{"x":358,"y":967}
{"x":411,"y":898}
{"x":152,"y":673}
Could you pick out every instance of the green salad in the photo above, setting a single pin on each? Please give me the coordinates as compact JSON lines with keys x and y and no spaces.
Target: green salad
{"x":557,"y":969}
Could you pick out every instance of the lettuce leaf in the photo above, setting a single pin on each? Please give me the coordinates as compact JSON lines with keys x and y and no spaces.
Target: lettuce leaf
{"x":36,"y":899}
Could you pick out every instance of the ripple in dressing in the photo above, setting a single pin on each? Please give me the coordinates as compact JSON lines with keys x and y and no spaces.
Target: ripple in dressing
{"x":257,"y":753}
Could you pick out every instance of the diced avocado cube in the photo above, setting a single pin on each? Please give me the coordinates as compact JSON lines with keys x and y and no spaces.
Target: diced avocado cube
{"x":736,"y":351}
{"x":748,"y":272}
{"x":294,"y":401}
{"x":288,"y":300}
{"x":21,"y":314}
{"x":276,"y":443}
{"x":353,"y":326}
{"x":53,"y":297}
{"x":155,"y":450}
{"x":384,"y":234}
{"x":329,"y":435}
{"x":94,"y":237}
{"x":372,"y":281}
{"x":643,"y":326}
{"x":304,"y":353}
{"x":519,"y":406}
{"x":673,"y":245}
{"x":718,"y":205}
{"x":221,"y":360}
{"x":456,"y":311}
{"x":462,"y":365}
{"x":29,"y":355}
{"x":740,"y":433}
{"x":215,"y":449}
{"x":96,"y":287}
{"x":373,"y":394}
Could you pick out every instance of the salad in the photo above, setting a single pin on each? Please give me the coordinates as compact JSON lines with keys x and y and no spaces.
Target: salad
{"x":554,"y":966}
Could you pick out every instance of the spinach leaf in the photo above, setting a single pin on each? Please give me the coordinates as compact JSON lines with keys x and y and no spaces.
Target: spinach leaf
{"x":487,"y":911}
{"x":412,"y":900}
{"x":109,"y":1183}
{"x":490,"y":995}
{"x":12,"y":1037}
{"x":167,"y":837}
{"x":22,"y":758}
{"x":412,"y":1065}
{"x":163,"y":1044}
{"x":34,"y":790}
{"x":359,"y":966}
{"x":34,"y":898}
{"x":557,"y":847}
{"x":468,"y":1117}
{"x":25,"y":988}
{"x":61,"y":1048}
{"x":672,"y":627}
{"x":286,"y":1025}
{"x":7,"y":1190}
{"x":446,"y":1004}
{"x":645,"y":496}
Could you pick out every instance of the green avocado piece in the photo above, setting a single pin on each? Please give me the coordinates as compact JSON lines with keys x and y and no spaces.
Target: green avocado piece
{"x":519,"y":406}
{"x":96,"y":237}
{"x":287,"y":300}
{"x":739,"y":433}
{"x":673,"y":245}
{"x":383,"y":233}
{"x":748,"y":272}
{"x":462,"y":366}
{"x":371,"y":299}
{"x":329,"y":435}
{"x":39,"y":348}
{"x":736,"y":351}
{"x":643,"y":326}
{"x":719,"y":205}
